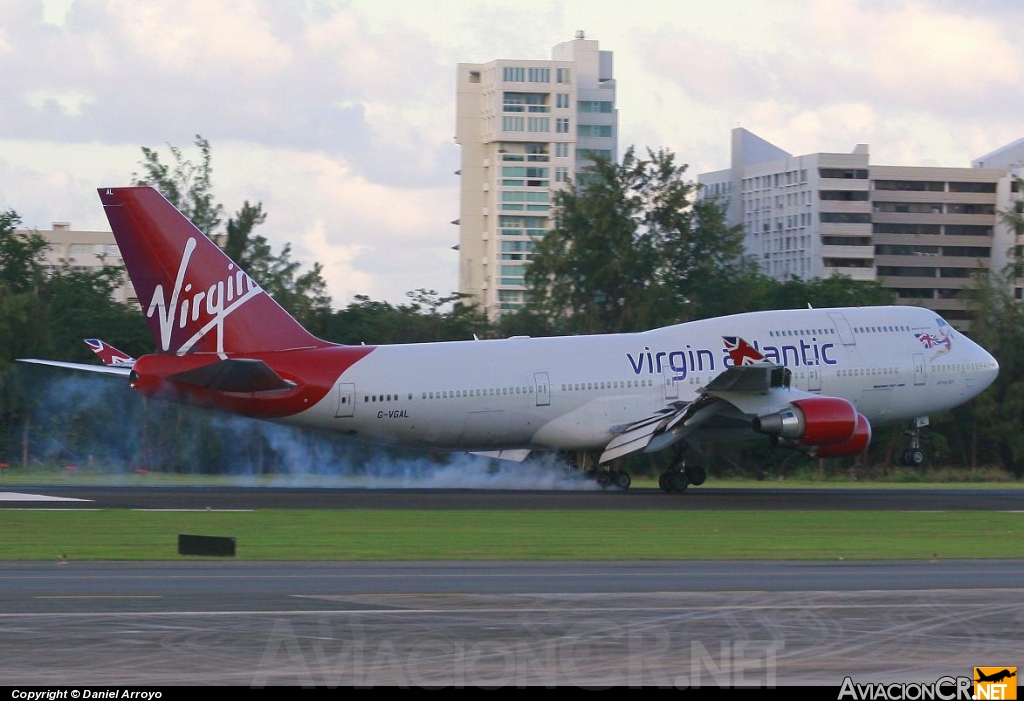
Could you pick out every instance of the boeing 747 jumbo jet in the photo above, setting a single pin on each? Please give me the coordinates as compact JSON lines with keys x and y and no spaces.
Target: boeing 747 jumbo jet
{"x":815,"y":380}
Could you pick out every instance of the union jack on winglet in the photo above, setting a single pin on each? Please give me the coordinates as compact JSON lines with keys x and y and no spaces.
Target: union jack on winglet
{"x":741,"y":352}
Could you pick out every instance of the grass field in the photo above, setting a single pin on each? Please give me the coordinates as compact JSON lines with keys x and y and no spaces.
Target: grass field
{"x":513,"y":535}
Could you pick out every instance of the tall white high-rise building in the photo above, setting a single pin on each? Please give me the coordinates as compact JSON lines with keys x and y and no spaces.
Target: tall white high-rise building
{"x":526,"y":128}
{"x":922,"y":231}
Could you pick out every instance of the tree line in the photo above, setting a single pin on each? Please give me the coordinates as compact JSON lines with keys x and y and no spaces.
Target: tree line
{"x":633,"y":247}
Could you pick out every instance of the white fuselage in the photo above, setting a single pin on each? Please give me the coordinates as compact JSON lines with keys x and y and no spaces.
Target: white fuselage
{"x":577,"y":392}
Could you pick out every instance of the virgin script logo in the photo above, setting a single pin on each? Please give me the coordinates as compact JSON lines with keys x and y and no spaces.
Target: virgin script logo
{"x":219,"y":300}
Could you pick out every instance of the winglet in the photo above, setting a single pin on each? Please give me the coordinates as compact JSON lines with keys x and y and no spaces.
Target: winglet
{"x":741,"y":352}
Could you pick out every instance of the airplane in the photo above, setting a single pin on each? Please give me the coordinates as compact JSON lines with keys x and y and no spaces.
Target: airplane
{"x":994,"y":677}
{"x":815,"y":380}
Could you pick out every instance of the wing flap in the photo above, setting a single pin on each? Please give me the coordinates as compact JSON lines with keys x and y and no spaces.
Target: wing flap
{"x":663,"y":428}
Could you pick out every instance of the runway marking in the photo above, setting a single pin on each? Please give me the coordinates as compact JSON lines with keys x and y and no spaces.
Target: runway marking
{"x":198,"y":510}
{"x":19,"y":496}
{"x":440,"y":611}
{"x":98,"y":596}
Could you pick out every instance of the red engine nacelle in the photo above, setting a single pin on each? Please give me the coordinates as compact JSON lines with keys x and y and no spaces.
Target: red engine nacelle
{"x":855,"y":446}
{"x":813,"y":421}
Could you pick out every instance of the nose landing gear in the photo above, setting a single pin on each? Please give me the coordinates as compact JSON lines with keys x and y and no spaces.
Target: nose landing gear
{"x":913,"y":455}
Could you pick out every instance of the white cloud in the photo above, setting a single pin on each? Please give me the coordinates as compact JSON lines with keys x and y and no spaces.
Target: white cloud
{"x":69,"y":102}
{"x":339,"y":116}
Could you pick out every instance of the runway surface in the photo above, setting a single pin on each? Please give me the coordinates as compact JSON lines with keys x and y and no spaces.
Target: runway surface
{"x":497,"y":624}
{"x":443,"y":624}
{"x":634,"y":499}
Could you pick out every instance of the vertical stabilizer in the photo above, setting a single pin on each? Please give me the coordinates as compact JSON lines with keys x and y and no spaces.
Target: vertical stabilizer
{"x":195,"y":298}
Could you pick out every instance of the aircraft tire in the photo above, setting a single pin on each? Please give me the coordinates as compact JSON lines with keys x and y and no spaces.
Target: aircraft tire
{"x":623,"y":480}
{"x":679,"y":481}
{"x":604,"y":479}
{"x":696,"y":475}
{"x":915,"y":457}
{"x":663,"y":482}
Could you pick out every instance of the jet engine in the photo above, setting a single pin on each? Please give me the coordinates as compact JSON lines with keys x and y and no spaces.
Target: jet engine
{"x":855,"y":446}
{"x":813,"y":421}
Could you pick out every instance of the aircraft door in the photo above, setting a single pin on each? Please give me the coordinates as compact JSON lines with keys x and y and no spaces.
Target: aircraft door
{"x":813,"y":379}
{"x":671,"y":387}
{"x":543,"y":388}
{"x":346,"y":400}
{"x":918,"y":369}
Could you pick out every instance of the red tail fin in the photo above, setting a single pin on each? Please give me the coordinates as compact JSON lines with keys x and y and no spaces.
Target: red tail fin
{"x":195,"y":298}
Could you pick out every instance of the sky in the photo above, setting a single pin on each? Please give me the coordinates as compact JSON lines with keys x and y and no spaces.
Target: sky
{"x":340,"y":116}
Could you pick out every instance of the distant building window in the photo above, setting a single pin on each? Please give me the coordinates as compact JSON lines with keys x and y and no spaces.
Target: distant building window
{"x":563,"y":76}
{"x":909,"y":207}
{"x":845,"y":218}
{"x":972,"y":187}
{"x":512,"y":74}
{"x":562,"y":100}
{"x":956,"y":208}
{"x":839,"y":174}
{"x":909,"y":229}
{"x":538,"y":124}
{"x":525,"y":102}
{"x":561,"y":175}
{"x":595,"y":130}
{"x":911,"y":185}
{"x":512,"y":123}
{"x":562,"y":125}
{"x":845,"y":195}
{"x":966,"y":230}
{"x":540,"y":75}
{"x":561,"y":150}
{"x":600,"y":107}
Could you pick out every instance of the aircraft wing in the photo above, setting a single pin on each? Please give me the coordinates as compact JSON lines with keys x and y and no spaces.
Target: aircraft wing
{"x":102,"y":369}
{"x":753,"y":389}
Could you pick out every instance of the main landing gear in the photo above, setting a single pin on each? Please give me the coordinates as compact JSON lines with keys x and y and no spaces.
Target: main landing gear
{"x":913,"y":455}
{"x":680,"y":476}
{"x":611,"y":478}
{"x":605,"y":478}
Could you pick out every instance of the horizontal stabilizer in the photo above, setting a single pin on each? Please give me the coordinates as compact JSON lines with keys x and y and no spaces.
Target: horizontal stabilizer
{"x":234,"y":375}
{"x":102,"y":369}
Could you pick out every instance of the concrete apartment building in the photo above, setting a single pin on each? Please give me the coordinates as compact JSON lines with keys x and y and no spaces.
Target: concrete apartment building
{"x":920,"y":231}
{"x":85,"y":251}
{"x":526,"y":128}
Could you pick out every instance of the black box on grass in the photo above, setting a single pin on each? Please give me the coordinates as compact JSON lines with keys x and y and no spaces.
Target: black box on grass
{"x":218,"y":546}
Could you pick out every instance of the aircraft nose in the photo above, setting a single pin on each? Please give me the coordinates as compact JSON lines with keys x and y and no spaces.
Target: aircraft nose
{"x":993,"y":366}
{"x":988,"y":367}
